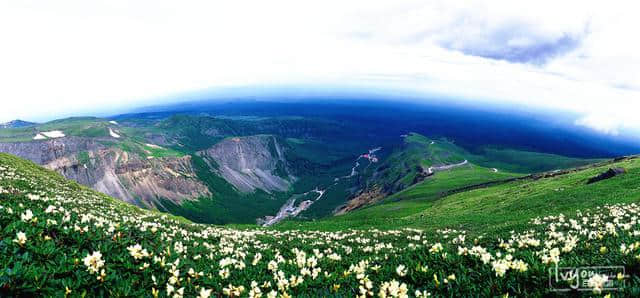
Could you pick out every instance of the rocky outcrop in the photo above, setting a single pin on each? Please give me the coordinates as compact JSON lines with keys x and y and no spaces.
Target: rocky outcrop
{"x":113,"y":171}
{"x":169,"y":178}
{"x":289,"y":209}
{"x":612,"y":172}
{"x":250,"y":163}
{"x":365,"y":198}
{"x":45,"y":151}
{"x":159,"y":139}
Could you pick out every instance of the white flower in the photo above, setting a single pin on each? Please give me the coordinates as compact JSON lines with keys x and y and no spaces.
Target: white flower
{"x":519,"y":265}
{"x":179,"y":293}
{"x":170,"y":289}
{"x":224,"y":273}
{"x":175,"y":276}
{"x":256,"y":259}
{"x":137,"y":252}
{"x":21,"y":238}
{"x":401,"y":270}
{"x":233,"y":291}
{"x":485,"y":258}
{"x":26,"y":216}
{"x":255,"y":292}
{"x":94,"y":262}
{"x":273,"y":266}
{"x":205,"y":293}
{"x":436,"y":248}
{"x":597,"y":282}
{"x":500,"y":267}
{"x":393,"y":289}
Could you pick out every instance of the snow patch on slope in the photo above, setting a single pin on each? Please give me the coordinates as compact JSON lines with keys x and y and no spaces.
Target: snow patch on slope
{"x":49,"y":134}
{"x":113,"y":133}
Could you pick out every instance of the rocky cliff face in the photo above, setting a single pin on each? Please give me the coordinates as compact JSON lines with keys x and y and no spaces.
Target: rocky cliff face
{"x":42,"y":152}
{"x":250,"y":163}
{"x":110,"y":170}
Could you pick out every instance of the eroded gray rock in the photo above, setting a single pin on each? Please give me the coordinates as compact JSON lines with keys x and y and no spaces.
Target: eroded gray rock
{"x":252,"y":162}
{"x":612,"y":172}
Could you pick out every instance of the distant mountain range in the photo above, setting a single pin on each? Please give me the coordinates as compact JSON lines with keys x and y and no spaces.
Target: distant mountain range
{"x":16,"y":124}
{"x":266,"y":162}
{"x":446,"y":201}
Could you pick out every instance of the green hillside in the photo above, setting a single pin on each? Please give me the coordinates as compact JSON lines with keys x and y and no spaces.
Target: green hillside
{"x":450,"y":180}
{"x":499,"y":207}
{"x":404,"y":173}
{"x":404,"y":165}
{"x":58,"y":238}
{"x":81,"y":127}
{"x":519,"y":161}
{"x":319,"y":151}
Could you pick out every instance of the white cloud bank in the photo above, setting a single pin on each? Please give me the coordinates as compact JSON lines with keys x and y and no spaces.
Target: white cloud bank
{"x":69,"y":57}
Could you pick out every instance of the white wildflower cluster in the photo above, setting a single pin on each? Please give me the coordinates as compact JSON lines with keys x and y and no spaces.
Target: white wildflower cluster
{"x":137,"y":252}
{"x":597,"y":282}
{"x":21,"y":238}
{"x":179,"y":259}
{"x":93,"y":262}
{"x":501,"y":266}
{"x":27,"y":216}
{"x":393,"y":289}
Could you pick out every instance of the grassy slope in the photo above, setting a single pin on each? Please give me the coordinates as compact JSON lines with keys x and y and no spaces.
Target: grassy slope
{"x":496,"y":208}
{"x":79,"y":126}
{"x":437,"y":151}
{"x":397,"y":173}
{"x":518,"y":161}
{"x":51,"y":258}
{"x":433,"y":187}
{"x":401,"y":167}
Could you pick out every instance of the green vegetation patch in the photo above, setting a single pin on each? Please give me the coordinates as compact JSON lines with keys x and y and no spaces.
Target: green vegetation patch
{"x":518,"y":161}
{"x":58,"y":238}
{"x":496,"y":208}
{"x":83,"y":158}
{"x":226,"y":205}
{"x":439,"y":184}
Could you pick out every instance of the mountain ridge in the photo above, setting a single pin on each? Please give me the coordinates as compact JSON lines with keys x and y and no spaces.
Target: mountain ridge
{"x":309,"y":168}
{"x":16,"y":124}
